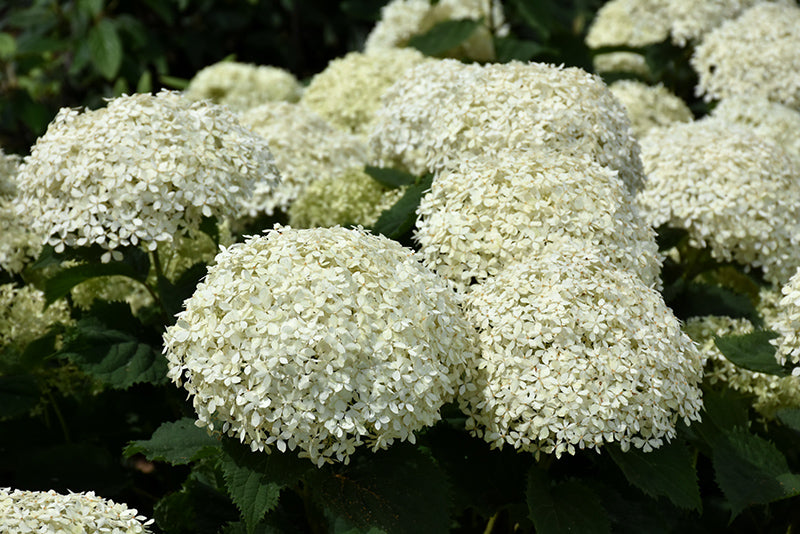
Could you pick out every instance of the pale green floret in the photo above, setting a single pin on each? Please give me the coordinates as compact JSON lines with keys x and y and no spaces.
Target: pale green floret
{"x":649,"y":106}
{"x":24,"y":317}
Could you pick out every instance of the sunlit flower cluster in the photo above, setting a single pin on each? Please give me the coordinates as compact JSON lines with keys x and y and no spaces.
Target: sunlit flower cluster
{"x":350,"y":198}
{"x":649,"y":106}
{"x":691,"y":20}
{"x":24,"y":317}
{"x":18,"y":242}
{"x":139,"y":171}
{"x":443,"y":111}
{"x":23,"y":512}
{"x":484,"y":214}
{"x":632,"y":23}
{"x":754,"y":55}
{"x":577,"y":353}
{"x":402,"y":19}
{"x":787,"y":324}
{"x":242,"y":86}
{"x":626,"y":62}
{"x":321,"y":340}
{"x":306,"y":148}
{"x":348,"y":92}
{"x":733,"y":191}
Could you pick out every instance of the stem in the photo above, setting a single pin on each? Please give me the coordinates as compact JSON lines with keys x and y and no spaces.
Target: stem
{"x":490,"y":524}
{"x":59,"y":416}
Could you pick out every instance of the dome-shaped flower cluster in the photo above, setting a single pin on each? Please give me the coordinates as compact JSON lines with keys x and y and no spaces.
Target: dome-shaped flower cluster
{"x":140,"y":170}
{"x":484,"y":214}
{"x":787,"y":324}
{"x":649,"y":106}
{"x":731,"y":190}
{"x":348,"y":92}
{"x":242,"y":86}
{"x":24,"y":512}
{"x":691,"y":20}
{"x":631,"y":23}
{"x":403,"y":19}
{"x":443,"y":111}
{"x":24,"y":317}
{"x":577,"y":353}
{"x":352,"y":197}
{"x":306,"y":148}
{"x":320,"y":340}
{"x":754,"y":55}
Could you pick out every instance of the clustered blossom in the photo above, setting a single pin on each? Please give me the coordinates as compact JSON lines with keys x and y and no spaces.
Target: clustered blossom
{"x":23,"y":512}
{"x":731,"y":190}
{"x":350,"y":198}
{"x":787,"y":324}
{"x":691,"y":20}
{"x":754,"y":55}
{"x":577,"y":353}
{"x":445,"y":110}
{"x":626,"y":62}
{"x":18,"y":242}
{"x":483,"y":214}
{"x":9,"y":166}
{"x":306,"y":148}
{"x":649,"y":106}
{"x":24,"y":317}
{"x":139,"y":171}
{"x":403,"y":19}
{"x":770,"y":393}
{"x":242,"y":86}
{"x":348,"y":92}
{"x":631,"y":23}
{"x":321,"y":340}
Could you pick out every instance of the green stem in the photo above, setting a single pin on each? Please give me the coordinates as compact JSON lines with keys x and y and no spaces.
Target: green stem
{"x":490,"y":524}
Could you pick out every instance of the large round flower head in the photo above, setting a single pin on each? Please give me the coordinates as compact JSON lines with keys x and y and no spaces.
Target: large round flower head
{"x":348,"y":92}
{"x":731,"y":190}
{"x":770,"y":393}
{"x":140,"y":170}
{"x":403,"y":19}
{"x":787,"y":324}
{"x":766,"y":119}
{"x":24,"y":316}
{"x":649,"y":106}
{"x":754,"y":54}
{"x":306,"y":148}
{"x":242,"y":86}
{"x":484,"y":214}
{"x":24,"y":512}
{"x":9,"y":166}
{"x":349,"y":198}
{"x":691,"y":20}
{"x":321,"y":340}
{"x":632,"y":23}
{"x":447,"y":111}
{"x":577,"y":353}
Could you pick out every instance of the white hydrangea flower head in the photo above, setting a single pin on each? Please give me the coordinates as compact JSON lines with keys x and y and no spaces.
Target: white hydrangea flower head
{"x":770,"y":120}
{"x":306,"y":148}
{"x":691,"y":20}
{"x":242,"y":86}
{"x":627,"y":62}
{"x":24,"y":512}
{"x":632,"y":23}
{"x":649,"y":106}
{"x":19,"y":244}
{"x":349,"y":198}
{"x":754,"y":55}
{"x":321,"y":340}
{"x":444,"y":111}
{"x":348,"y":92}
{"x":577,"y":353}
{"x":139,"y":171}
{"x":787,"y":324}
{"x":403,"y":19}
{"x":484,"y":214}
{"x":9,"y":166}
{"x":770,"y":393}
{"x":734,"y":192}
{"x":24,"y":317}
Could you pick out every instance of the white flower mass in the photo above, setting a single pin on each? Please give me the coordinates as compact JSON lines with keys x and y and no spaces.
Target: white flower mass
{"x":787,"y":324}
{"x":649,"y":106}
{"x":140,"y":170}
{"x":242,"y":86}
{"x":321,"y":340}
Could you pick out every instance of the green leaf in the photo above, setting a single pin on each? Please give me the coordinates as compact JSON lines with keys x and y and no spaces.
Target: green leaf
{"x":700,"y":299}
{"x":750,"y":470}
{"x":63,"y":281}
{"x":536,"y":14}
{"x":105,"y":48}
{"x":116,"y":358}
{"x":198,"y":508}
{"x":564,"y":507}
{"x":252,"y":492}
{"x":668,"y":471}
{"x":18,"y":394}
{"x":283,"y":469}
{"x":390,"y":177}
{"x":512,"y":49}
{"x":400,"y":490}
{"x":8,"y":45}
{"x":752,"y":351}
{"x":400,"y":218}
{"x":668,"y":236}
{"x":209,"y":226}
{"x":173,"y":295}
{"x":92,"y":7}
{"x":176,"y":442}
{"x":790,"y":417}
{"x":444,"y":36}
{"x":174,"y":82}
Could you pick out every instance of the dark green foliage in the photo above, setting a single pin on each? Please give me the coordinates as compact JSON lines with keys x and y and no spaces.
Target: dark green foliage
{"x":400,"y":218}
{"x":568,"y":506}
{"x":177,"y":443}
{"x":18,"y":394}
{"x":752,"y":351}
{"x":390,"y":177}
{"x":444,"y":36}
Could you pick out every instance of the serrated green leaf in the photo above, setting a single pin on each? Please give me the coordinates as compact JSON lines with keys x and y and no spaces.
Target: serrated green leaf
{"x":790,"y":417}
{"x":750,"y":470}
{"x":18,"y":394}
{"x":63,"y":281}
{"x":444,"y":36}
{"x":176,"y":442}
{"x":198,"y":508}
{"x":400,"y":490}
{"x":251,"y":491}
{"x":105,"y":48}
{"x":284,"y":469}
{"x":565,"y":507}
{"x":512,"y":49}
{"x":752,"y":351}
{"x":116,"y":358}
{"x":390,"y":177}
{"x":400,"y":218}
{"x":668,"y":471}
